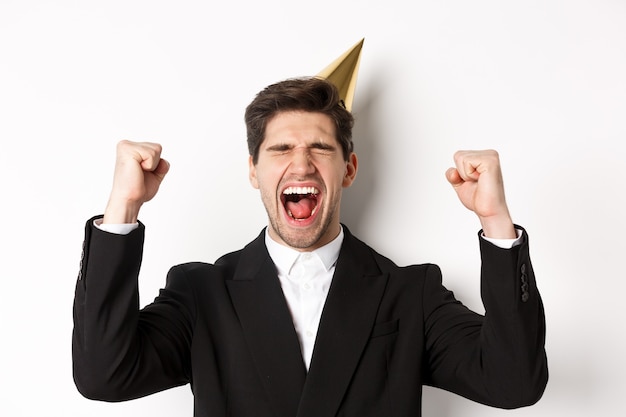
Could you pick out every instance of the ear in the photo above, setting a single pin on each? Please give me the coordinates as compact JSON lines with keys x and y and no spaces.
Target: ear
{"x":351,"y":169}
{"x":252,"y":173}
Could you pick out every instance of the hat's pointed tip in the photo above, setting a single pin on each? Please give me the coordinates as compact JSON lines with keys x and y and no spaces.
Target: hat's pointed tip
{"x":343,"y":72}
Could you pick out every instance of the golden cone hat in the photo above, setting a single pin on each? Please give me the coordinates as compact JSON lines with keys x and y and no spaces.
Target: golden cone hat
{"x":343,"y":72}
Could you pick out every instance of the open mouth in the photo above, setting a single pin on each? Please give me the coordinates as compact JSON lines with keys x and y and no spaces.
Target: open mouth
{"x":300,"y":202}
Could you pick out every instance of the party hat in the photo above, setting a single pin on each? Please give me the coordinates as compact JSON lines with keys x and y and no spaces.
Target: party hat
{"x":343,"y":72}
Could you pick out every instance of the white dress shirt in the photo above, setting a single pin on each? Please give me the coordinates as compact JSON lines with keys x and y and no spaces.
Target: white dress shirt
{"x":305,"y":278}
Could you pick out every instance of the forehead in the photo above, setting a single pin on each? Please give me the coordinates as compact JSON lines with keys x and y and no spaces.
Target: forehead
{"x":300,"y":125}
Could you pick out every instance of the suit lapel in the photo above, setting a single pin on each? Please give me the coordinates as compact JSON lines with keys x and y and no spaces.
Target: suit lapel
{"x":347,"y":320}
{"x":268,"y":327}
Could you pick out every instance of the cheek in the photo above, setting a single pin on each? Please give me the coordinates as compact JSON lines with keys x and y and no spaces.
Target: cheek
{"x":338,"y":174}
{"x":271,"y":176}
{"x":267,"y":183}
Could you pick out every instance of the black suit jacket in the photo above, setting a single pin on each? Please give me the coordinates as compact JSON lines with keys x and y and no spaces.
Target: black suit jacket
{"x":226,"y":329}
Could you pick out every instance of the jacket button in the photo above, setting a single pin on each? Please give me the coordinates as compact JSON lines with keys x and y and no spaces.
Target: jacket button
{"x":524,"y":287}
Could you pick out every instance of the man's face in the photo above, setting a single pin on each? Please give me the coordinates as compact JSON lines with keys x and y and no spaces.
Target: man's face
{"x":301,"y":172}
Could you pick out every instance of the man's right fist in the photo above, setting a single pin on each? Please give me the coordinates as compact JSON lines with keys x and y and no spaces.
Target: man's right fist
{"x":139,"y":170}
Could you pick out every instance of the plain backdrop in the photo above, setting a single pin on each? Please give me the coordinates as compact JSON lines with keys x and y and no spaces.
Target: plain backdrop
{"x":541,"y":81}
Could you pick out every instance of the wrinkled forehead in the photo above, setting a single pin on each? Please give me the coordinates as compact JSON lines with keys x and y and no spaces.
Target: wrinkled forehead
{"x":300,"y":125}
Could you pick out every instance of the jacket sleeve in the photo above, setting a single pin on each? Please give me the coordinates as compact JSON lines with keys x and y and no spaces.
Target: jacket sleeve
{"x":118,"y":351}
{"x":497,"y":359}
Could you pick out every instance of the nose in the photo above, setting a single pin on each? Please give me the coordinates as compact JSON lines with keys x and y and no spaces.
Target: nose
{"x":302,"y":163}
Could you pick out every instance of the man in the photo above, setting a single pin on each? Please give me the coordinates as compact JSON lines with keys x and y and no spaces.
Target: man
{"x":306,"y":320}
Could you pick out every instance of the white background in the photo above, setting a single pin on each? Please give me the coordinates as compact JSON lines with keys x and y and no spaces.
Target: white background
{"x":543,"y":82}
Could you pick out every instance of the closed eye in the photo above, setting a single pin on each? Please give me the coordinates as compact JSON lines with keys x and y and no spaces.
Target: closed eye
{"x":279,"y":148}
{"x":323,"y":148}
{"x":316,"y":146}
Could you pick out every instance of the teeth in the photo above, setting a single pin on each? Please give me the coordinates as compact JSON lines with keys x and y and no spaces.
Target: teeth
{"x":301,"y":190}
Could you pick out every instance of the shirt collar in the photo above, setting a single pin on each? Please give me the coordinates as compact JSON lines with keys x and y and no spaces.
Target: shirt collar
{"x":284,"y":257}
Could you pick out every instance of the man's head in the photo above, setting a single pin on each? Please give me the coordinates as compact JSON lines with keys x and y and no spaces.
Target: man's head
{"x":301,"y":159}
{"x":304,"y":94}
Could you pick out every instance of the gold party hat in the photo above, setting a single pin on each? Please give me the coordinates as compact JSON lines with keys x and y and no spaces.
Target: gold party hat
{"x":343,"y":73}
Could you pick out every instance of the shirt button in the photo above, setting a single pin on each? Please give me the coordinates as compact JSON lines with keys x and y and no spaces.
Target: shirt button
{"x":309,"y":333}
{"x":307,"y":286}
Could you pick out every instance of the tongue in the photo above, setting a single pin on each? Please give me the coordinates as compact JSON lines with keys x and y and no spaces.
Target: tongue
{"x":301,"y":209}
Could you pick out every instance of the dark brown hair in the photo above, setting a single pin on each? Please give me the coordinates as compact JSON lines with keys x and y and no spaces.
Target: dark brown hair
{"x":306,"y":94}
